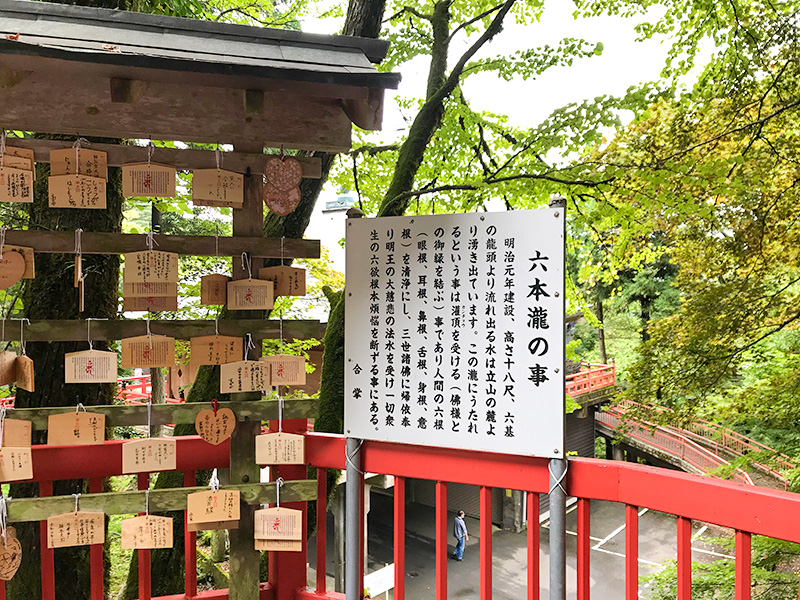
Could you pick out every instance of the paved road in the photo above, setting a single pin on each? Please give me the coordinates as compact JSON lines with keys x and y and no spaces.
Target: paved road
{"x":657,"y":543}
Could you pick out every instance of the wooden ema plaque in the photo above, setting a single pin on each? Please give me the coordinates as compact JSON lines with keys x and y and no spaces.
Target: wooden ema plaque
{"x":150,"y":304}
{"x":23,"y":373}
{"x":244,"y":376}
{"x":149,"y":455}
{"x":16,"y":464}
{"x":250,"y":294}
{"x":90,"y":366}
{"x":278,"y":523}
{"x":76,"y":191}
{"x":16,"y":185}
{"x":279,"y":545}
{"x":215,"y":428}
{"x":280,"y":449}
{"x":16,"y":433}
{"x":150,"y":266}
{"x":213,"y":509}
{"x":8,"y":367}
{"x":286,"y":369}
{"x":27,"y":255}
{"x":19,"y":158}
{"x":12,"y":268}
{"x":147,"y":532}
{"x":76,"y":529}
{"x":217,"y":187}
{"x":148,"y":180}
{"x":74,"y":428}
{"x":287,"y":281}
{"x":10,"y":554}
{"x":147,"y":352}
{"x":89,"y":162}
{"x":214,"y":289}
{"x":216,"y":349}
{"x":146,"y":289}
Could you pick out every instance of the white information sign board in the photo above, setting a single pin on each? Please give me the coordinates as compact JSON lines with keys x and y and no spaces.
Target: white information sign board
{"x":454,"y":331}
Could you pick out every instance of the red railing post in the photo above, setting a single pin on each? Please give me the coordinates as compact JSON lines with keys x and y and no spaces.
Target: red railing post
{"x":532,"y":511}
{"x":143,"y":556}
{"x":631,"y":553}
{"x":684,"y":559}
{"x":322,"y":522}
{"x":290,"y":567}
{"x":441,"y":540}
{"x":189,"y":546}
{"x":399,"y":538}
{"x":584,"y":527}
{"x":46,"y":554}
{"x":743,"y":558}
{"x":486,"y":542}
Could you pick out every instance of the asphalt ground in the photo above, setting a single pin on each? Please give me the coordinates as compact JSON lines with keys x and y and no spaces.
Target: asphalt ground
{"x":657,"y":545}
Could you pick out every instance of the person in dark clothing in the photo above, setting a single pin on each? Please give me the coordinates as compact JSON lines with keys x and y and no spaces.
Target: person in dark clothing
{"x":461,"y":534}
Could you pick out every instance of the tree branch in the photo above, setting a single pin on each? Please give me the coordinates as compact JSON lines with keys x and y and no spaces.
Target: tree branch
{"x":466,"y":24}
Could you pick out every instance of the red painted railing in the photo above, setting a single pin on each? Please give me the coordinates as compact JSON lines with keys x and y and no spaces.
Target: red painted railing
{"x":590,"y":378}
{"x":719,"y":438}
{"x":746,"y":509}
{"x":670,"y":442}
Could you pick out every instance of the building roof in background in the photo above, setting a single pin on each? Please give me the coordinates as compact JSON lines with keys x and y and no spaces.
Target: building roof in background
{"x":128,"y":39}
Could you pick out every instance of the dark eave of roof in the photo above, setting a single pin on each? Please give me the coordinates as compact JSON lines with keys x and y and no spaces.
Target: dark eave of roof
{"x":128,"y":39}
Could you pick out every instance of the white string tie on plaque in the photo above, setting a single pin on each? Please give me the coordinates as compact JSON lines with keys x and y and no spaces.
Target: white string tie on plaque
{"x":78,"y":248}
{"x":22,"y":322}
{"x":213,"y":483}
{"x":248,"y":345}
{"x":3,"y":230}
{"x":79,"y":408}
{"x":278,"y":485}
{"x":89,"y":329}
{"x":147,"y":502}
{"x":77,"y":498}
{"x":151,"y":240}
{"x":4,"y":518}
{"x":218,"y":156}
{"x":247,"y":264}
{"x":150,"y":148}
{"x":78,"y":145}
{"x":2,"y":425}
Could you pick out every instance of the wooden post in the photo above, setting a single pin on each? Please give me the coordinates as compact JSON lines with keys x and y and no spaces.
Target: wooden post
{"x":244,"y":560}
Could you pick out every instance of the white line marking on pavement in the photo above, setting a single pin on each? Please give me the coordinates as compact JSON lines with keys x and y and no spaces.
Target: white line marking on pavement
{"x":575,"y":533}
{"x":700,"y":532}
{"x":712,"y":553}
{"x":616,"y":531}
{"x":641,"y":560}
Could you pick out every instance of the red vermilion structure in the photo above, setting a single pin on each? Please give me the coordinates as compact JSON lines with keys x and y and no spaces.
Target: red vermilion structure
{"x":746,"y":509}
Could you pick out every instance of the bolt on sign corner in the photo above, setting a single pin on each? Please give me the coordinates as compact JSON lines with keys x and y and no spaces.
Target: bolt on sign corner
{"x":454,"y":331}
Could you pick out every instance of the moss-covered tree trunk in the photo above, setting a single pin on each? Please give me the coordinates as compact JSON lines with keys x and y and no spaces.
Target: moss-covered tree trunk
{"x":51,"y":295}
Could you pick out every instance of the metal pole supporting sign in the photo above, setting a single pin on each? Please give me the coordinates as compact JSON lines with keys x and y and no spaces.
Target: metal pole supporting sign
{"x":354,"y":497}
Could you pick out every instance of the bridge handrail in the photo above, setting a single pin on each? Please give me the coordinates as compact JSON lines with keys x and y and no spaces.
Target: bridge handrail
{"x":732,"y":441}
{"x":672,"y":443}
{"x":591,"y":377}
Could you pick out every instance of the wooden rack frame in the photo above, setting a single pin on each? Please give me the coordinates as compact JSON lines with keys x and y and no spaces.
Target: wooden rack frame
{"x":123,"y":503}
{"x":181,"y":159}
{"x":118,"y":415}
{"x":63,"y":242}
{"x":76,"y":330}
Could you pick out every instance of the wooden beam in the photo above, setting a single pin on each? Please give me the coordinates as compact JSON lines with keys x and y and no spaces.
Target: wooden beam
{"x":76,"y":330}
{"x":124,"y":503}
{"x":181,"y":159}
{"x":172,"y":111}
{"x":121,"y":415}
{"x":63,"y":242}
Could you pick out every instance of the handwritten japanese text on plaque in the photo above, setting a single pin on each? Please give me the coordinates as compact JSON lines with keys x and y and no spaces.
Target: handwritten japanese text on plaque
{"x":152,"y":454}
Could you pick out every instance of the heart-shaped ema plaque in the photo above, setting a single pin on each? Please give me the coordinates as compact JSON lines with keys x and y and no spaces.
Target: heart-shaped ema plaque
{"x":10,"y":555}
{"x":281,"y":203}
{"x":283,"y":174}
{"x":215,"y":428}
{"x":12,"y":268}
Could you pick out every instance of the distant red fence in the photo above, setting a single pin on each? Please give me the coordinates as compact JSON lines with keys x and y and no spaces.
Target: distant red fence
{"x":591,"y":377}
